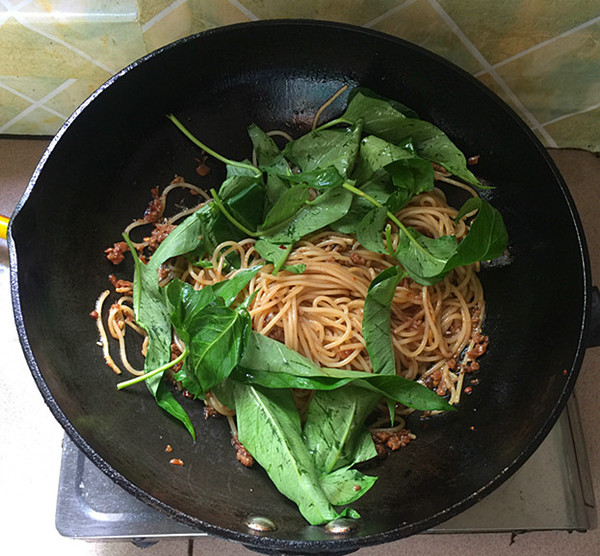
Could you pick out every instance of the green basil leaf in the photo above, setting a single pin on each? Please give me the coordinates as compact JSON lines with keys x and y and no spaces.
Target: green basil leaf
{"x":321,"y":149}
{"x":268,"y":154}
{"x":320,"y":178}
{"x":229,"y":289}
{"x":346,"y":485}
{"x":285,"y":208}
{"x":487,"y":237}
{"x":365,"y":103}
{"x":369,"y":232}
{"x":245,"y":200}
{"x":152,"y":315}
{"x":425,"y":259}
{"x":375,"y":154}
{"x":407,"y":392}
{"x":213,"y":334}
{"x":414,"y":175}
{"x":335,"y":426}
{"x":380,"y":187}
{"x":380,"y":118}
{"x":269,"y":428}
{"x":376,"y":320}
{"x":327,"y":208}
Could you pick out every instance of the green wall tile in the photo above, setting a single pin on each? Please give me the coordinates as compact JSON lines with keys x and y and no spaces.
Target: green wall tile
{"x":418,"y":22}
{"x":36,"y":122}
{"x":581,"y":131}
{"x":502,"y":29}
{"x":69,"y":98}
{"x":358,"y":11}
{"x":34,"y":87}
{"x":27,"y":53}
{"x":11,"y":105}
{"x":559,"y":78}
{"x":151,"y":8}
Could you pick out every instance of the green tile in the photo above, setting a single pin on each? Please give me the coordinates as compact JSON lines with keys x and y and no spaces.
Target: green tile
{"x":112,"y":44}
{"x":173,"y":25}
{"x":11,"y":106}
{"x":580,"y":131}
{"x":27,"y":53}
{"x":421,"y":24}
{"x":357,"y":12}
{"x":36,"y":122}
{"x":502,"y":29}
{"x":207,"y":14}
{"x":151,"y":8}
{"x":66,"y":101}
{"x":559,"y":78}
{"x":35,"y":87}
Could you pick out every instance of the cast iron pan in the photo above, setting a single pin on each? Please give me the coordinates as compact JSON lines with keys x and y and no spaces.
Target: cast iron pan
{"x":96,"y":176}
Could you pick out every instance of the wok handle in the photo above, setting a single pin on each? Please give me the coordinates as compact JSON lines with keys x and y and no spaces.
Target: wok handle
{"x":3,"y":226}
{"x":593,"y":332}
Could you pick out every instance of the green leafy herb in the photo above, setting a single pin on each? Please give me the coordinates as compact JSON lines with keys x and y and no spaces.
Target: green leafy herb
{"x":376,"y":320}
{"x":269,"y":428}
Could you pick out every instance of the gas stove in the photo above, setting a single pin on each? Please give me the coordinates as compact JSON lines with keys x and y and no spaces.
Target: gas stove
{"x":92,"y":507}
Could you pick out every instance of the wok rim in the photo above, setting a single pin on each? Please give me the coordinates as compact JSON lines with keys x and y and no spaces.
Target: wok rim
{"x":262,"y":542}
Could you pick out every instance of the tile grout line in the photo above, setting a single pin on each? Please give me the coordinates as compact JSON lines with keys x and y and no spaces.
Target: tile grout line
{"x":162,"y":14}
{"x":70,"y":47}
{"x":533,"y":122}
{"x":576,"y":113}
{"x":37,"y":104}
{"x":547,"y":42}
{"x":11,"y":10}
{"x":31,"y":100}
{"x":244,"y":10}
{"x":389,"y":13}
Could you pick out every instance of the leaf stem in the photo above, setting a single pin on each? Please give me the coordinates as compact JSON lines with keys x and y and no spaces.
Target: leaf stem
{"x":390,"y":215}
{"x":230,"y":217}
{"x":332,"y":123}
{"x":160,"y":369}
{"x":210,"y":151}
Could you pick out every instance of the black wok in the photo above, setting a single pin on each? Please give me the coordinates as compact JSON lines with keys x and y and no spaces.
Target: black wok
{"x":96,"y":176}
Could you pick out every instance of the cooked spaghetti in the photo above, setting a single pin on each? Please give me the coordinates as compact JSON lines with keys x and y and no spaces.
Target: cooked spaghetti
{"x":436,"y":330}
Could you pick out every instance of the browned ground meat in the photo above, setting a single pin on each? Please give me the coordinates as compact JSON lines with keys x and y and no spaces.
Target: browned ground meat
{"x":357,"y":259}
{"x":242,"y":455}
{"x":158,"y":235}
{"x":391,"y":441}
{"x":155,"y":208}
{"x":116,"y":253}
{"x":121,"y":286}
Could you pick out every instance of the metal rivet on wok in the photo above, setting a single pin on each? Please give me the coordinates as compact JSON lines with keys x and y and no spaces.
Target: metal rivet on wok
{"x":340,"y":526}
{"x":261,"y":524}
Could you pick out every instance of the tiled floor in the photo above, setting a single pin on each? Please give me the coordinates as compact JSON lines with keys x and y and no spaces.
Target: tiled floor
{"x":31,"y":438}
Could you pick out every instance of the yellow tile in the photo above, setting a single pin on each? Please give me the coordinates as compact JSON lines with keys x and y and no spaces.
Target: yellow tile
{"x":168,"y":27}
{"x":207,"y":14}
{"x":493,"y":86}
{"x":579,"y":131}
{"x":10,"y":106}
{"x":560,"y":78}
{"x":67,"y":100}
{"x":502,"y":29}
{"x":150,"y":8}
{"x":37,"y":122}
{"x":421,"y":24}
{"x":111,"y":44}
{"x":34,"y":87}
{"x":357,"y":12}
{"x":191,"y":17}
{"x":27,"y":53}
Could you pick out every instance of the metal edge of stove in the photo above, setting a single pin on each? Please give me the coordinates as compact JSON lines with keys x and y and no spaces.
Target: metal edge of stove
{"x":92,"y":507}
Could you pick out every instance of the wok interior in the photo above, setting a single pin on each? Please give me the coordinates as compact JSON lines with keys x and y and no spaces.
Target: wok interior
{"x":98,"y":177}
